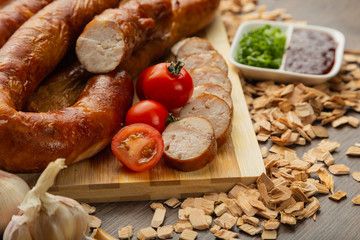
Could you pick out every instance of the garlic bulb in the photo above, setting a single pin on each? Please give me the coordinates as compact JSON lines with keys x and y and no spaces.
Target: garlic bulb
{"x":46,"y":216}
{"x":12,"y":192}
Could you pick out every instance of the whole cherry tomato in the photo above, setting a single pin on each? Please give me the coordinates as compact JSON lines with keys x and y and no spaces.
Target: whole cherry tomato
{"x":138,"y":146}
{"x":167,"y":83}
{"x":149,"y":112}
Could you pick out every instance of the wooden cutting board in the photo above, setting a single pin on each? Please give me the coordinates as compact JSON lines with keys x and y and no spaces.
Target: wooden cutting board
{"x":103,"y":179}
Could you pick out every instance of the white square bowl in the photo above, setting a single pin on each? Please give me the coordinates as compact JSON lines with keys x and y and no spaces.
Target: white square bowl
{"x":281,"y":75}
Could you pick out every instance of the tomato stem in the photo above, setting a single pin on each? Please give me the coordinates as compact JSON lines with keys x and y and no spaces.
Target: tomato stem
{"x":171,"y":118}
{"x":175,"y":68}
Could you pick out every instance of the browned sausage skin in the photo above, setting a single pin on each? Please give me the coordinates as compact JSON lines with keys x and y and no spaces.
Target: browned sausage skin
{"x":29,"y":141}
{"x":13,"y":13}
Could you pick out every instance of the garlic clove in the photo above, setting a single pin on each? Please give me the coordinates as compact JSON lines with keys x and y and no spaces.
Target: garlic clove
{"x":12,"y":192}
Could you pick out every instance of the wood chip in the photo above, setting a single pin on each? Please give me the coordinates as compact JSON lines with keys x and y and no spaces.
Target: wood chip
{"x":311,"y":208}
{"x":269,"y":234}
{"x":172,"y":202}
{"x":87,"y":208}
{"x":271,"y":224}
{"x":268,"y":213}
{"x":250,"y":229}
{"x":198,"y":219}
{"x":320,"y":131}
{"x":314,"y":168}
{"x":188,"y":235}
{"x":349,"y":58}
{"x":181,"y":225}
{"x":340,"y":121}
{"x":326,"y":179}
{"x":226,"y":221}
{"x":299,"y":165}
{"x":146,"y":233}
{"x":353,"y":121}
{"x":262,"y":137}
{"x":215,"y":228}
{"x":356,"y":200}
{"x":100,"y":234}
{"x":158,"y":218}
{"x":338,"y":195}
{"x":126,"y":232}
{"x":225,"y":234}
{"x":211,"y":196}
{"x":251,"y":220}
{"x":356,"y":176}
{"x":156,"y":205}
{"x":234,"y":208}
{"x":245,"y":205}
{"x":95,"y":222}
{"x":303,"y":109}
{"x":220,"y":209}
{"x":329,"y":145}
{"x":165,"y":232}
{"x":339,"y":169}
{"x":264,"y":151}
{"x":353,"y":151}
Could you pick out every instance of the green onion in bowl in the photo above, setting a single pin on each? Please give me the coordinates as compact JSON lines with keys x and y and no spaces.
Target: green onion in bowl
{"x":263,"y":47}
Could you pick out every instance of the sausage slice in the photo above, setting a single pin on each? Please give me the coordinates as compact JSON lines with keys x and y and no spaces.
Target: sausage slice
{"x":205,"y":59}
{"x":215,"y":110}
{"x":194,"y":45}
{"x":215,"y":75}
{"x":189,"y":144}
{"x":213,"y":89}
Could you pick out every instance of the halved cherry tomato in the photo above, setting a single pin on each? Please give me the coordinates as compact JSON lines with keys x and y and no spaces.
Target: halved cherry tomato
{"x":167,"y":83}
{"x":149,"y":112}
{"x":138,"y":146}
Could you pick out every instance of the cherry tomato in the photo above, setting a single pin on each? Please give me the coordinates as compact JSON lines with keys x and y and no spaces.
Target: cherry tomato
{"x":149,"y":112}
{"x":167,"y":83}
{"x":138,"y":146}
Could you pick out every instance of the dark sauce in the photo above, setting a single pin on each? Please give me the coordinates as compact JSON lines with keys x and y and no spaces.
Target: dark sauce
{"x":311,"y":52}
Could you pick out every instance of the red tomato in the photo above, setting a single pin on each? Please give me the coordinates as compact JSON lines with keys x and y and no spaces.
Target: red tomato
{"x":138,"y":146}
{"x":149,"y":112}
{"x":139,"y":83}
{"x":171,"y":87}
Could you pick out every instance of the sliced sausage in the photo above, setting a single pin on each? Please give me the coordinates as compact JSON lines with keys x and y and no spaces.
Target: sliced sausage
{"x":178,"y":45}
{"x":193,"y":45}
{"x":215,"y":110}
{"x":189,"y":144}
{"x":213,"y":89}
{"x":205,"y":59}
{"x":214,"y":75}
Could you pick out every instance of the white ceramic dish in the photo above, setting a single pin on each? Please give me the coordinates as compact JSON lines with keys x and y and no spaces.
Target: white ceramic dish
{"x":281,"y":75}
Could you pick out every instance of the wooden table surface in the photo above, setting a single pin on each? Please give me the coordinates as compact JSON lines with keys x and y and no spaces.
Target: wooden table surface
{"x":335,"y":220}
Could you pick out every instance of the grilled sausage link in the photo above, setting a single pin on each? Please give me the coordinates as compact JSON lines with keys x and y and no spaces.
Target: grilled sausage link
{"x":13,"y":13}
{"x":29,"y":141}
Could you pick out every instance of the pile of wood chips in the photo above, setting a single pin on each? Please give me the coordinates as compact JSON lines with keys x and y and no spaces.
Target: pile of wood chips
{"x":285,"y":114}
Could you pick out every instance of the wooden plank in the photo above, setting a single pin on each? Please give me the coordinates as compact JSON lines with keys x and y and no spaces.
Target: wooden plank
{"x":104,"y":179}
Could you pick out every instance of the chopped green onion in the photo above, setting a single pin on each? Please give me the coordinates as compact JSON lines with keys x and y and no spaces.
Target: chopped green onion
{"x":263,"y":47}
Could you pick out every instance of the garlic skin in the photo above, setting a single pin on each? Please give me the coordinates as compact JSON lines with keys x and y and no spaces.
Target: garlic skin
{"x":12,"y":192}
{"x":48,"y":217}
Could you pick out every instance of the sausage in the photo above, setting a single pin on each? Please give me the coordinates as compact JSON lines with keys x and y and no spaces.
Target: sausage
{"x":189,"y":144}
{"x":29,"y":141}
{"x":116,"y":33}
{"x":205,"y":59}
{"x":214,"y":75}
{"x":187,"y":17}
{"x":13,"y":13}
{"x":215,"y":110}
{"x":213,"y":89}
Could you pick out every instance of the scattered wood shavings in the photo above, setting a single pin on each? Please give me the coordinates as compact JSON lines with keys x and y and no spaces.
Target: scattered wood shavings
{"x":100,"y":234}
{"x":156,"y":205}
{"x":339,"y":169}
{"x":226,"y":221}
{"x":269,"y":234}
{"x":338,"y":195}
{"x":126,"y":232}
{"x":225,"y":234}
{"x":356,"y":200}
{"x":181,"y":225}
